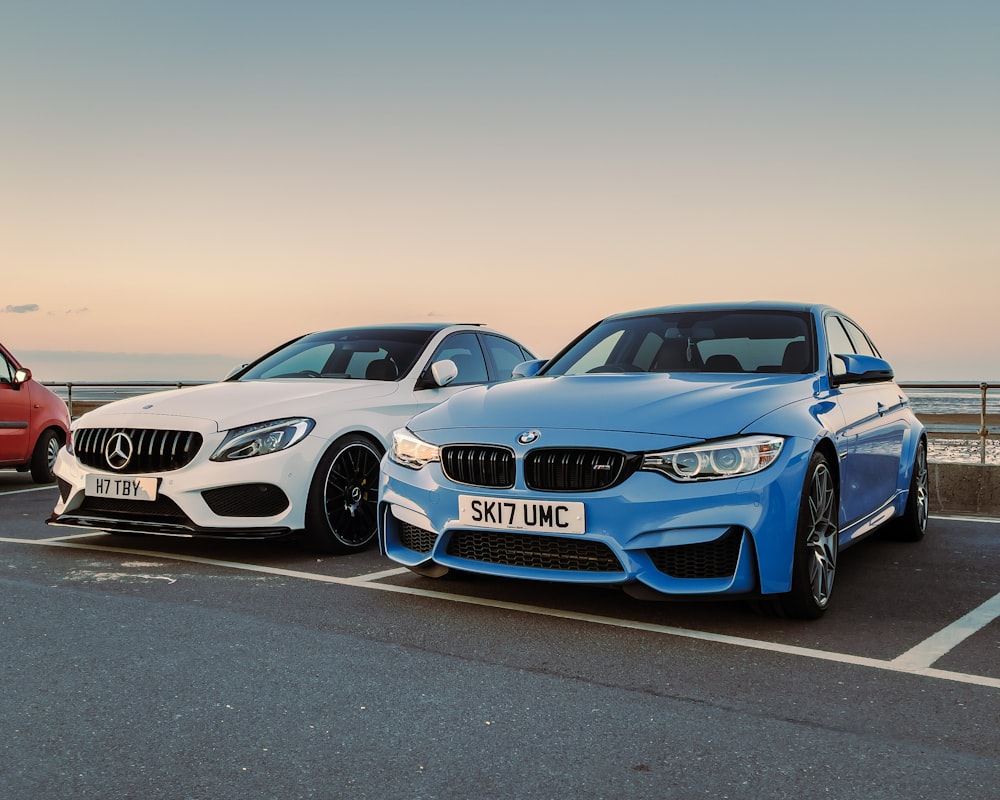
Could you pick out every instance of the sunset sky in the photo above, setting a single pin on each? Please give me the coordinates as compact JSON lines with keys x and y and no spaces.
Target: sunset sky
{"x":194,"y":181}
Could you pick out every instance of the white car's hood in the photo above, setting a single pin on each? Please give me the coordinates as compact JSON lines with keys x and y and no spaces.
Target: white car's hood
{"x":234,"y":403}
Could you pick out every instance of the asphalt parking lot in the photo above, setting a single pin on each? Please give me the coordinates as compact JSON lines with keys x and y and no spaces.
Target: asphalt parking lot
{"x":153,"y":667}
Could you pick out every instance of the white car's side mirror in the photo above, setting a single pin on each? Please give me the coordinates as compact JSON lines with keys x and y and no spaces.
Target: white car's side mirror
{"x":444,"y":372}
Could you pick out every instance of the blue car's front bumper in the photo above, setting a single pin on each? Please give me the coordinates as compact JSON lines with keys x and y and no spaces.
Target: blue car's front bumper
{"x":723,"y":537}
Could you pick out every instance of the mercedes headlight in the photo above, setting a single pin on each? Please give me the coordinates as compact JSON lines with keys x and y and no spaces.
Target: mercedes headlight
{"x":263,"y":438}
{"x":411,"y":451}
{"x":724,"y":459}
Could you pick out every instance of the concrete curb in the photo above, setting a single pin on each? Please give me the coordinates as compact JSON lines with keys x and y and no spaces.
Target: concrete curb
{"x":965,"y":489}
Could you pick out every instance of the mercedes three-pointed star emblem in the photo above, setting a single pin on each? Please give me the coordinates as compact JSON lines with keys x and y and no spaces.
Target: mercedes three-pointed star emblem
{"x":118,"y":451}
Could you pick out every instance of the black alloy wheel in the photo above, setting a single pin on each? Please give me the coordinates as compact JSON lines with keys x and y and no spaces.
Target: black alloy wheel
{"x":343,"y":497}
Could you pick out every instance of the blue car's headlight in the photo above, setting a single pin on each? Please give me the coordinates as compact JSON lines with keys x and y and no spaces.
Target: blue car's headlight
{"x":725,"y":459}
{"x":411,"y":451}
{"x":263,"y":438}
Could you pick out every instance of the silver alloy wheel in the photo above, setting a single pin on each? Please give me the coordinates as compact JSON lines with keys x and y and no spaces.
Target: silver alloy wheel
{"x":911,"y":525}
{"x":43,"y":457}
{"x":921,"y":483}
{"x":821,"y":538}
{"x":52,"y":451}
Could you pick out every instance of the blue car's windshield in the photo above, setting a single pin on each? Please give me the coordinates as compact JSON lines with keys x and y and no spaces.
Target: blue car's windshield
{"x":384,"y":354}
{"x":726,"y":341}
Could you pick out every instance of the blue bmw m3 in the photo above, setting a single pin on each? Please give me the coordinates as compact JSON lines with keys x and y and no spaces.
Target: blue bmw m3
{"x":688,"y":451}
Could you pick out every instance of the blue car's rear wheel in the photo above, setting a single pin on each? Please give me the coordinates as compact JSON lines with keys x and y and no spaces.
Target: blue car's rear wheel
{"x":341,"y":511}
{"x":912,"y":525}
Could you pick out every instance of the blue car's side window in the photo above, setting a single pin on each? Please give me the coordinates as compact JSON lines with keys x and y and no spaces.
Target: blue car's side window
{"x":838,"y":342}
{"x":862,"y":344}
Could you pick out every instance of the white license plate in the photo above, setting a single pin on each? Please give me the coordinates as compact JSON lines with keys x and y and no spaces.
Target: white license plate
{"x":121,"y":488}
{"x":521,"y":515}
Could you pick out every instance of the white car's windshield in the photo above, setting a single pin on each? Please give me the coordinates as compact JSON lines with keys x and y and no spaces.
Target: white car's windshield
{"x":384,"y":354}
{"x":700,"y":341}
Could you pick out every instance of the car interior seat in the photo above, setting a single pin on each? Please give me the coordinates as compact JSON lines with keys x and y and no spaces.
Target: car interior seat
{"x":677,"y":355}
{"x":796,"y":357}
{"x":723,"y":362}
{"x":381,"y":369}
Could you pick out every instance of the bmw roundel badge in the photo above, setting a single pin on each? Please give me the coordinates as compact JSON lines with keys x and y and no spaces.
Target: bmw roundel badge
{"x":528,"y":437}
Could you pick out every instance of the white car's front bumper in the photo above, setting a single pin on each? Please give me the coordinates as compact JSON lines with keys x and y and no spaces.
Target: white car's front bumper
{"x":259,"y":497}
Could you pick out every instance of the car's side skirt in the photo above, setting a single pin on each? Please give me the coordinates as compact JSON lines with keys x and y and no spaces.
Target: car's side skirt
{"x":856,"y":531}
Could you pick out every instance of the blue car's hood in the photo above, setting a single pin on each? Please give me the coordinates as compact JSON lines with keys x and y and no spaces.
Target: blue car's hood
{"x":699,"y":406}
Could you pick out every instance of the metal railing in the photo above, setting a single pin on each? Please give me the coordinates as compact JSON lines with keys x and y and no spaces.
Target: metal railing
{"x":107,"y":391}
{"x":954,"y":424}
{"x":88,"y":394}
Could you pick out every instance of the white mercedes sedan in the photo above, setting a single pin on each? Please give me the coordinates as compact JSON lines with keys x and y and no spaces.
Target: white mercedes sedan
{"x":290,"y":443}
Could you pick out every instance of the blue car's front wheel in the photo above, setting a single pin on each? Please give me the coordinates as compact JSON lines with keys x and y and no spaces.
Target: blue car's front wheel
{"x":814,"y":564}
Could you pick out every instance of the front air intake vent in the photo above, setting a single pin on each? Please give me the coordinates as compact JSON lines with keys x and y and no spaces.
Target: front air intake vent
{"x":537,"y":552}
{"x":716,"y":559}
{"x":416,"y":539}
{"x":246,"y":500}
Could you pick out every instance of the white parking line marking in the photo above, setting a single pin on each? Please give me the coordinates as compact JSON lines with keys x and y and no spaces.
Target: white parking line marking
{"x":377,"y":576}
{"x":72,"y":537}
{"x":718,"y":638}
{"x":31,"y":489}
{"x":842,"y":658}
{"x":932,"y":648}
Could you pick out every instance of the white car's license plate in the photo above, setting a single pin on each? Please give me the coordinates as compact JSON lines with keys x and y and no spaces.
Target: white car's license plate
{"x":521,"y":515}
{"x":121,"y":488}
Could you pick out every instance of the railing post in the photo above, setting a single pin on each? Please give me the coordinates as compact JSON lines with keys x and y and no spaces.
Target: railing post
{"x":69,"y":398}
{"x":983,"y":431}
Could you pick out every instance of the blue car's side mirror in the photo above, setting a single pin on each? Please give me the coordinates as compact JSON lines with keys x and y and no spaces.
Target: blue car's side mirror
{"x":527,"y":369}
{"x":860,"y":369}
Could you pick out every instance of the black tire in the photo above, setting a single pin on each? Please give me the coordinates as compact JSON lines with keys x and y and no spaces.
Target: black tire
{"x":343,"y":497}
{"x":816,"y":546}
{"x":912,"y":525}
{"x":43,"y":458}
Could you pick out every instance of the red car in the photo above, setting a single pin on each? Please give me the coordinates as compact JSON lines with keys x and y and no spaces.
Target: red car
{"x":34,"y":421}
